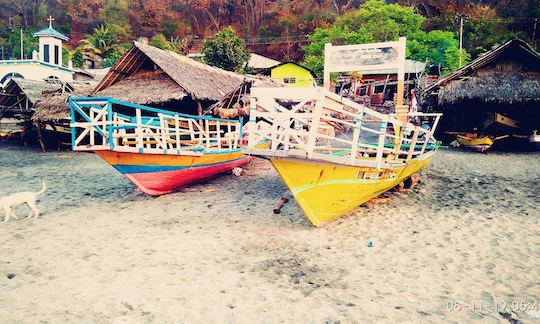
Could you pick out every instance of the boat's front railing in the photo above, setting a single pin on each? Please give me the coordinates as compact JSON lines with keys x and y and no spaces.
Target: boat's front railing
{"x":317,"y":124}
{"x":109,"y":124}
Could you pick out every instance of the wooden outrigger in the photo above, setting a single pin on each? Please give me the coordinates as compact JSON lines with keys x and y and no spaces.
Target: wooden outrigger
{"x":332,"y":153}
{"x":158,"y":150}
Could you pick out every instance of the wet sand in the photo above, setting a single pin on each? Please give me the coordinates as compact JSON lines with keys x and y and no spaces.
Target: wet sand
{"x":104,"y":252}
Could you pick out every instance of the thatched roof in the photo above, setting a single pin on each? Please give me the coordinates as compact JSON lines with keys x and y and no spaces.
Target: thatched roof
{"x":53,"y":106}
{"x":31,"y":89}
{"x":238,"y":99}
{"x":507,"y":74}
{"x":508,"y":88}
{"x":145,"y":87}
{"x":198,"y":80}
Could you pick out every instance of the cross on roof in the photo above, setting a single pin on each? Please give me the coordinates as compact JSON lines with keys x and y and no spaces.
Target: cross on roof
{"x":50,"y":20}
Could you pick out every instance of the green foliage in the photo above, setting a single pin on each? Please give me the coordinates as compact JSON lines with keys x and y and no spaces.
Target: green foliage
{"x":112,"y":58}
{"x":77,"y":58}
{"x":101,"y":43}
{"x":66,"y":55}
{"x":226,"y":51}
{"x":376,"y":21}
{"x":169,"y":27}
{"x":160,"y":41}
{"x":176,"y":45}
{"x":452,"y":57}
{"x":13,"y":43}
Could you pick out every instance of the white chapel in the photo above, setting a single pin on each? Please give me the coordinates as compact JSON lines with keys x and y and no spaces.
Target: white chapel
{"x":46,"y":63}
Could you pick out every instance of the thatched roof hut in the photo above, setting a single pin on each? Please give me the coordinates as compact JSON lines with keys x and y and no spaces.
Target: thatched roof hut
{"x":504,"y":80}
{"x":20,"y":95}
{"x":151,"y":76}
{"x":53,"y":106}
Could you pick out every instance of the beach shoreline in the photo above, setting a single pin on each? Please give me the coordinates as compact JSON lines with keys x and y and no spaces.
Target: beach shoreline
{"x":102,"y":251}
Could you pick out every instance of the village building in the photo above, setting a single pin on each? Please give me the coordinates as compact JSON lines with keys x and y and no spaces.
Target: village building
{"x":151,"y":76}
{"x":46,"y":62}
{"x":259,"y":63}
{"x":502,"y":86}
{"x":292,"y":74}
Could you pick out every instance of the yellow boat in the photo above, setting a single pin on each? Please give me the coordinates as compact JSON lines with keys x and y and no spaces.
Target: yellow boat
{"x":326,"y":191}
{"x":331,"y":173}
{"x":482,"y":143}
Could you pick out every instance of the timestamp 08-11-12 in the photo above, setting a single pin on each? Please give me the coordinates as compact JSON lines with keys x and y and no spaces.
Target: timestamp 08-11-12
{"x":500,"y":306}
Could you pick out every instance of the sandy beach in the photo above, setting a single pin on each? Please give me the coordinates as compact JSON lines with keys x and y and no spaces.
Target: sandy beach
{"x":462,"y":246}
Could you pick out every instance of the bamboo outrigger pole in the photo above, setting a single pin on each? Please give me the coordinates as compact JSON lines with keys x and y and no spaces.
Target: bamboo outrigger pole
{"x":401,"y":109}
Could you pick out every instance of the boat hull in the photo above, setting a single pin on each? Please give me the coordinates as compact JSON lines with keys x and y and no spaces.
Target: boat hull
{"x":480,"y":144}
{"x":159,"y":174}
{"x":326,"y":191}
{"x":535,"y":142}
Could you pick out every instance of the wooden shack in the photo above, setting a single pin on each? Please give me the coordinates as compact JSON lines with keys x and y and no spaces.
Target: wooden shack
{"x":17,"y":103}
{"x":163,"y":79}
{"x":502,"y":82}
{"x":52,"y":115}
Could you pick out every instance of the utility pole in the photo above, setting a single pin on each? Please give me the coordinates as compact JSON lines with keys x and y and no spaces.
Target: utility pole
{"x":22,"y":54}
{"x":461,"y":17}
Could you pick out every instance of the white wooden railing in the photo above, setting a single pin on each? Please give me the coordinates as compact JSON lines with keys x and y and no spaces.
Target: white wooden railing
{"x":314,"y":123}
{"x":109,"y":124}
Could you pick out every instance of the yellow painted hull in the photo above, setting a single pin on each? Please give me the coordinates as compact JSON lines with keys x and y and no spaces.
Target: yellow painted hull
{"x":480,"y":143}
{"x":326,"y":191}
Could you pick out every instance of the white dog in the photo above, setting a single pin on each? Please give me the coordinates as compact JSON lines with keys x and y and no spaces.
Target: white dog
{"x":20,"y":198}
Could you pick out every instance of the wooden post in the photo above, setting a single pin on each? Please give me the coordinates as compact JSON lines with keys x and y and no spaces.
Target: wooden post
{"x":326,"y":73}
{"x":138,"y":130}
{"x":401,"y":110}
{"x":27,"y":128}
{"x":40,"y":137}
{"x":199,"y":108}
{"x":56,"y":136}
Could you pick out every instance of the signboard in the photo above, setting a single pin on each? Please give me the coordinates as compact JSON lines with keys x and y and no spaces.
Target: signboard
{"x":362,"y":58}
{"x":367,"y":57}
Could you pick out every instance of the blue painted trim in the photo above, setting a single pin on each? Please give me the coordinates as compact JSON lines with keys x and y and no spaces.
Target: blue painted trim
{"x":224,"y":152}
{"x":156,"y":110}
{"x":241,"y":120}
{"x":129,"y":168}
{"x":49,"y":65}
{"x":110,"y":140}
{"x":73,"y":129}
{"x":50,"y":32}
{"x":88,"y":119}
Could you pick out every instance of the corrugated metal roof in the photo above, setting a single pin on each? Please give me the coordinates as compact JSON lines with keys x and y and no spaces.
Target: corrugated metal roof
{"x":257,"y":61}
{"x":51,"y":32}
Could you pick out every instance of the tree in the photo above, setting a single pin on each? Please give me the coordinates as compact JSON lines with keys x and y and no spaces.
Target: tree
{"x":101,"y":43}
{"x":376,"y":21}
{"x":14,"y":43}
{"x":77,"y":58}
{"x":226,"y":51}
{"x":160,"y":41}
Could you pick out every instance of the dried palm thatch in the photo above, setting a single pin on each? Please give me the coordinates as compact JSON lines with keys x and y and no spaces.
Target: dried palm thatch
{"x":23,"y":93}
{"x":198,"y":80}
{"x":145,"y":87}
{"x":236,"y":102}
{"x":53,"y":106}
{"x":493,"y":87}
{"x":508,"y":74}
